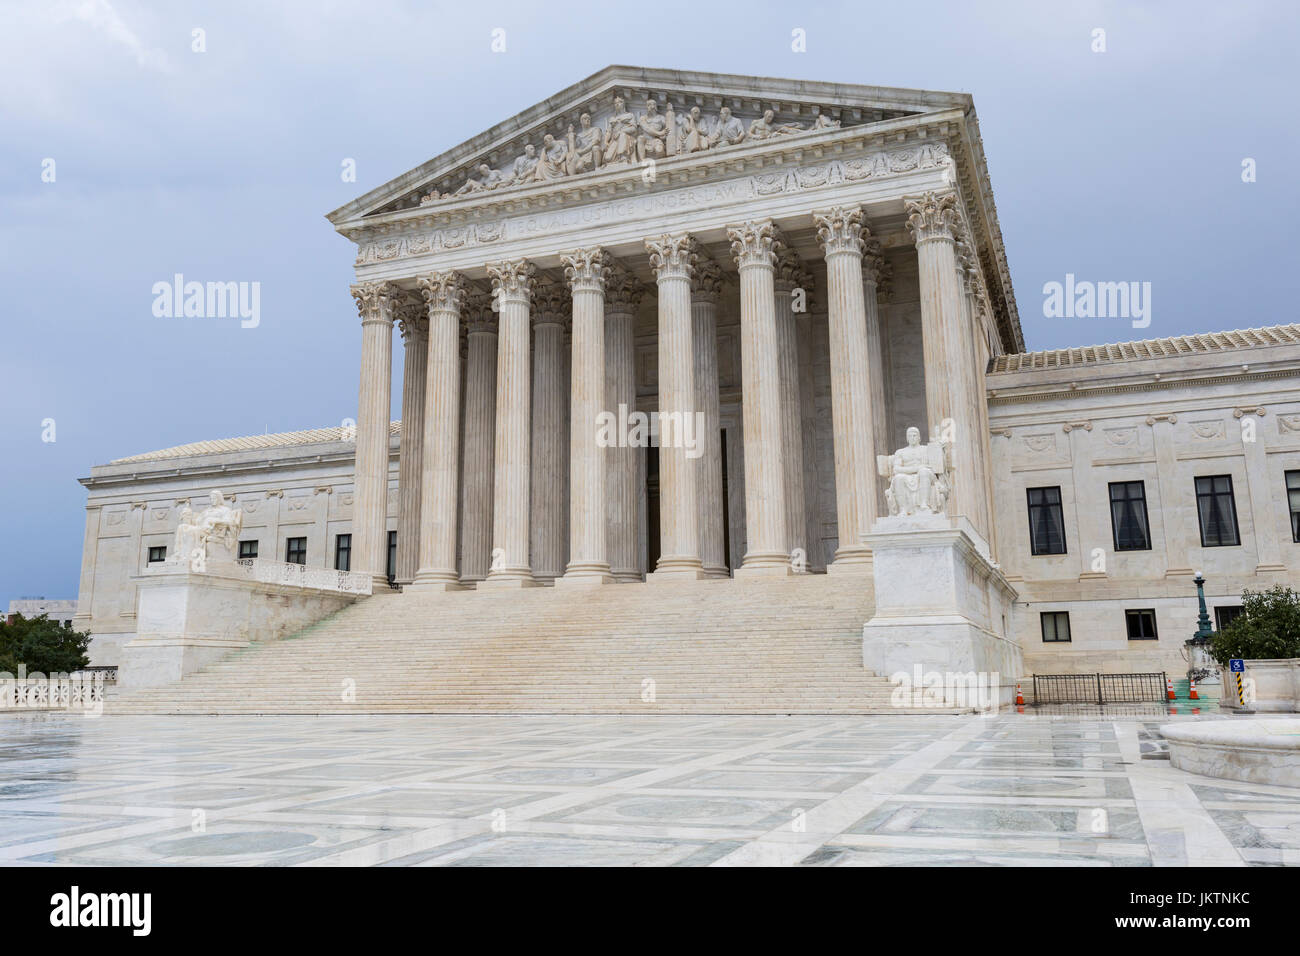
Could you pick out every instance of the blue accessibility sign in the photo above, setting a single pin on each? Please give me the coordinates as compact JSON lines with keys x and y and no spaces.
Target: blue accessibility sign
{"x":1237,"y":665}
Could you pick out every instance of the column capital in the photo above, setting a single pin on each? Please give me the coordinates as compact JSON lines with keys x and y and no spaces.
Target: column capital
{"x":476,"y":307}
{"x":512,"y":280}
{"x":707,"y":286}
{"x":933,"y":217}
{"x":585,"y":269}
{"x":875,"y":267}
{"x":623,"y":290}
{"x":755,"y":243}
{"x":672,"y":257}
{"x":376,"y":300}
{"x":968,"y":265}
{"x":550,"y":302}
{"x":443,"y":291}
{"x":840,"y":229}
{"x":412,"y":320}
{"x":789,"y":270}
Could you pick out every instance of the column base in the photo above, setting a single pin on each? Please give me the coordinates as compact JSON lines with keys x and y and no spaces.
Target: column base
{"x":677,"y":568}
{"x":765,"y":564}
{"x":717,"y":571}
{"x":435,"y":581}
{"x":508,"y":579}
{"x":469,"y":584}
{"x":378,"y":583}
{"x":855,"y":559}
{"x":585,"y":574}
{"x":626,"y":576}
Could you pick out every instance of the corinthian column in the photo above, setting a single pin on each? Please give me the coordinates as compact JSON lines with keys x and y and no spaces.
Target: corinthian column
{"x":443,"y":292}
{"x":935,"y":224}
{"x":588,"y":554}
{"x":673,"y":259}
{"x":375,"y":301}
{"x":622,"y":297}
{"x":480,"y":439}
{"x":754,"y":245}
{"x":790,"y":276}
{"x":549,"y":398}
{"x":840,"y":232}
{"x":511,"y":286}
{"x":705,"y":293}
{"x":875,"y":273}
{"x":414,"y":326}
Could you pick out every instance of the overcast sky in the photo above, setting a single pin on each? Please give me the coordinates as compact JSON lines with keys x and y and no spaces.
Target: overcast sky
{"x":1116,"y":165}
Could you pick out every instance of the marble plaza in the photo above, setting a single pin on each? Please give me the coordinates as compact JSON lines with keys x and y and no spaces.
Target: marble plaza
{"x":1087,"y":790}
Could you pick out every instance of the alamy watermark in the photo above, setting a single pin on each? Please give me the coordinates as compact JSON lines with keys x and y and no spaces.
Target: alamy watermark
{"x":1083,"y":299}
{"x":208,"y":300}
{"x":632,"y":429}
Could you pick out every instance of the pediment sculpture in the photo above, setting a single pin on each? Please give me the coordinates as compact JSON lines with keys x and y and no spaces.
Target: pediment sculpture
{"x":628,"y":138}
{"x":213,"y":533}
{"x":920,"y":476}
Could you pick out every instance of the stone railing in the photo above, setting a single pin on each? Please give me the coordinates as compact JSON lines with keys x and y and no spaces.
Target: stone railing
{"x":300,"y":575}
{"x":80,"y":691}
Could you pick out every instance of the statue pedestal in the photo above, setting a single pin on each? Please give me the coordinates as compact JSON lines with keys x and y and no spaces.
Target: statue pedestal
{"x":943,"y":608}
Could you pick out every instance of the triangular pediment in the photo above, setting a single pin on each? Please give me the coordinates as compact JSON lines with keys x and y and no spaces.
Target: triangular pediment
{"x":615,"y":127}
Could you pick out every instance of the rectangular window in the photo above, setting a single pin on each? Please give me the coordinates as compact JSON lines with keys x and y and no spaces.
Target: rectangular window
{"x":1293,"y":502}
{"x":295,"y":551}
{"x":1141,"y":625}
{"x":392,"y":556}
{"x":343,"y":552}
{"x":1223,"y":616}
{"x":248,"y":549}
{"x":1056,"y":626}
{"x":1128,"y":516}
{"x":158,"y":554}
{"x":1046,"y":521}
{"x":1217,"y":510}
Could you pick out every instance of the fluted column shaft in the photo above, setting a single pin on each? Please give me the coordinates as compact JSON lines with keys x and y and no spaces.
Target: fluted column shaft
{"x":787,"y":349}
{"x":872,"y":268}
{"x":440,"y":481}
{"x":840,"y":233}
{"x":767,"y":546}
{"x":511,"y":285}
{"x":588,"y":554}
{"x":376,"y":302}
{"x":621,"y":300}
{"x":415,"y":337}
{"x":705,"y":293}
{"x":480,"y":448}
{"x":673,"y":259}
{"x":548,"y":419}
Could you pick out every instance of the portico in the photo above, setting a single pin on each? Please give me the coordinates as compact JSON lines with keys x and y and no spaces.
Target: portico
{"x":829,"y":250}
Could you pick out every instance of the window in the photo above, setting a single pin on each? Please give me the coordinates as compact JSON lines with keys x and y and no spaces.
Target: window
{"x":248,"y":549}
{"x":1293,"y":502}
{"x":295,"y":551}
{"x":1223,"y":616}
{"x":392,"y":556}
{"x":1128,"y":516}
{"x":1056,"y":627}
{"x":158,"y":554}
{"x":1141,"y":625}
{"x":1046,"y":521}
{"x":1217,"y":510}
{"x":343,"y":552}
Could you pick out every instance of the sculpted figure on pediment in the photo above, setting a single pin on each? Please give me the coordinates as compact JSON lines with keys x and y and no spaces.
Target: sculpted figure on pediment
{"x":586,"y":145}
{"x":489,"y":179}
{"x":824,"y":122}
{"x":693,"y":136}
{"x":652,"y":133}
{"x":525,"y":166}
{"x":765,"y":128}
{"x":620,"y":135}
{"x":729,"y":131}
{"x":554,"y":160}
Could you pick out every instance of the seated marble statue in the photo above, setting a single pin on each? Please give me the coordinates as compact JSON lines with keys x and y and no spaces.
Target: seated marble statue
{"x":491,"y":180}
{"x":220,"y":523}
{"x":765,"y":128}
{"x":729,"y":131}
{"x":918,"y":479}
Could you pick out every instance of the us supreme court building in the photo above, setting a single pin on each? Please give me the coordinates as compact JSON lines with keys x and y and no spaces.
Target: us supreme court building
{"x":667,"y":329}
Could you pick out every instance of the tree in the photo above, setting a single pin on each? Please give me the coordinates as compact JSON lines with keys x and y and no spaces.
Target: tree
{"x":1268,"y":627}
{"x":42,"y":645}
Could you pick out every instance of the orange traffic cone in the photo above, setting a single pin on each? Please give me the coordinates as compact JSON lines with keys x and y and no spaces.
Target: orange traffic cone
{"x":1169,"y":687}
{"x":1020,"y":697}
{"x":1191,"y":690}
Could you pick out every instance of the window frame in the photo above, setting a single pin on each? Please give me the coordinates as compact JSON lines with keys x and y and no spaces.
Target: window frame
{"x":1231,"y":495}
{"x":1219,"y":623}
{"x":1293,"y":507}
{"x":1136,"y":614}
{"x":290,"y":550}
{"x":1060,"y":510}
{"x":341,"y":549}
{"x":242,"y":547}
{"x":149,"y":554}
{"x":1056,"y":628}
{"x":1146,"y":514}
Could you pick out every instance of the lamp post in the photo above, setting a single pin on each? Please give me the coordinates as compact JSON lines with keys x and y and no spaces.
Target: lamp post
{"x":1200,"y":664}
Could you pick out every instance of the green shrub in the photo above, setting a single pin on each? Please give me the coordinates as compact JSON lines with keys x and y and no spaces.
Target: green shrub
{"x":43,"y":645}
{"x":1268,"y":627}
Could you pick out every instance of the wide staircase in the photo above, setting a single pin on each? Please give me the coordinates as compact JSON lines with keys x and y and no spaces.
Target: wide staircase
{"x":776,"y":646}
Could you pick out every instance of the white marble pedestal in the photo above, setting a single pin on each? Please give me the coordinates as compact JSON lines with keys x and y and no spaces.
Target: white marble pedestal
{"x":942,"y":606}
{"x":188,"y":619}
